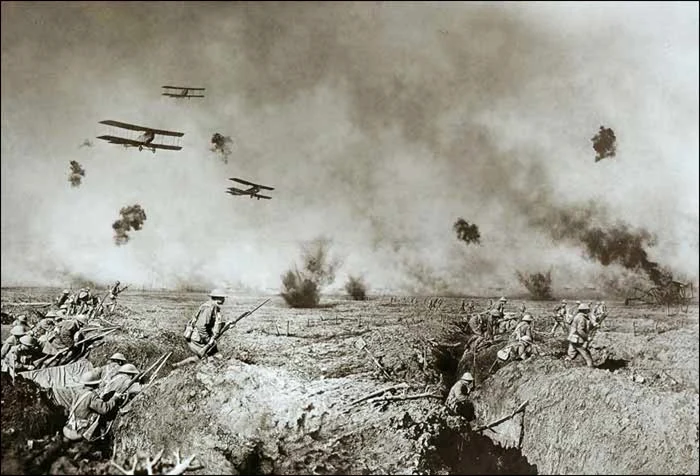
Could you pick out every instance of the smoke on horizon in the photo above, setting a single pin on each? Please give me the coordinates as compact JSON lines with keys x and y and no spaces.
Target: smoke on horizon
{"x":376,"y":125}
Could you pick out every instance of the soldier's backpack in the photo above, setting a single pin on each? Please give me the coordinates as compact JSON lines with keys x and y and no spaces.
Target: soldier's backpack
{"x":189,"y":329}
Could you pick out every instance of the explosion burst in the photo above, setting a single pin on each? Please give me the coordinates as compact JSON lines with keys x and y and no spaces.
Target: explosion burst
{"x":132,"y":218}
{"x":77,"y":172}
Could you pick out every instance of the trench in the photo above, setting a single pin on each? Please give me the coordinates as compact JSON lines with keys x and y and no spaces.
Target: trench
{"x":459,"y":449}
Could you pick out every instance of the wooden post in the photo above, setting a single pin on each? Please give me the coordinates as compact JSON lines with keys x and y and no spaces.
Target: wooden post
{"x":287,"y":327}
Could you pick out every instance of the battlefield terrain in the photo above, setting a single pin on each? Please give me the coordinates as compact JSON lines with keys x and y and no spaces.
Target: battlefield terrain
{"x":299,"y":390}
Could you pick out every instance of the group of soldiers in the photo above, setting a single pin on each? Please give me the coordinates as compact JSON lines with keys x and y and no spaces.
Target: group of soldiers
{"x":84,"y":302}
{"x":486,"y":326}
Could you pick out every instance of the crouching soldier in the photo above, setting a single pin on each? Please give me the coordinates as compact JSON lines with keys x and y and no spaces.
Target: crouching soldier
{"x":22,"y":357}
{"x":111,"y":368}
{"x":15,"y":334}
{"x":205,"y":325}
{"x":43,"y":328}
{"x":523,"y":350}
{"x":84,"y":416}
{"x":122,"y":383}
{"x":458,"y":398}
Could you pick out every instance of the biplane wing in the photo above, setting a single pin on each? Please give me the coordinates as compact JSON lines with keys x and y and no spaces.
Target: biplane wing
{"x":245,"y":182}
{"x":182,"y":88}
{"x":236,"y":191}
{"x":135,"y":143}
{"x":262,"y":196}
{"x":133,"y":127}
{"x":185,"y":96}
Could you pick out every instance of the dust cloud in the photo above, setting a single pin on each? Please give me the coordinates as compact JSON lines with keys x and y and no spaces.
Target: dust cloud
{"x":376,"y":123}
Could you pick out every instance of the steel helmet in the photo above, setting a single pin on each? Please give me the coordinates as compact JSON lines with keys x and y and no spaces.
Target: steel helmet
{"x":51,"y":313}
{"x":578,"y":302}
{"x":118,"y":356}
{"x":503,"y":299}
{"x":218,"y":293}
{"x":22,"y":319}
{"x":18,"y":331}
{"x":128,"y":369}
{"x":81,"y":318}
{"x":495,"y":313}
{"x":27,"y":340}
{"x":526,"y":338}
{"x":467,"y":377}
{"x":584,"y":307}
{"x":563,"y":301}
{"x":90,"y":378}
{"x":527,"y":318}
{"x":65,"y":291}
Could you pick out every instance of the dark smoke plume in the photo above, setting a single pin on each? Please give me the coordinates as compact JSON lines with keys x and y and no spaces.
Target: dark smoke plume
{"x":221,"y":145}
{"x":539,"y":285}
{"x":604,"y":143}
{"x":132,"y":218}
{"x":77,"y":172}
{"x":613,"y":244}
{"x":301,"y":288}
{"x":356,"y":287}
{"x":466,"y":232}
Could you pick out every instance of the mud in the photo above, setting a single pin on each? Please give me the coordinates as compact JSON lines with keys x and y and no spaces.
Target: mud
{"x":280,"y":397}
{"x":583,"y":421}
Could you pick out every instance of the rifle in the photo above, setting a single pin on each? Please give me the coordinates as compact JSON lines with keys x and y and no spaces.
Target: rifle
{"x":39,"y":363}
{"x":230,"y":324}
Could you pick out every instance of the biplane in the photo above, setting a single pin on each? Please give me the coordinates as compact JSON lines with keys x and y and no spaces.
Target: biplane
{"x":144,"y":140}
{"x":184,"y":92}
{"x":252,"y":191}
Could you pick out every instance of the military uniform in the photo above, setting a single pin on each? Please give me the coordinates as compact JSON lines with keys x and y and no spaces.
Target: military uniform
{"x":458,"y":398}
{"x":205,"y":325}
{"x":121,"y":382}
{"x":13,"y":339}
{"x":22,"y":357}
{"x":86,"y":410}
{"x":522,"y":329}
{"x":578,"y":336}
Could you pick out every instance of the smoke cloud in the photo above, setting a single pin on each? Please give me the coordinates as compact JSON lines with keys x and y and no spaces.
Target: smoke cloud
{"x":604,"y":143}
{"x":132,"y":218}
{"x":466,"y":232}
{"x":377,"y":124}
{"x":77,"y":172}
{"x":222,"y":146}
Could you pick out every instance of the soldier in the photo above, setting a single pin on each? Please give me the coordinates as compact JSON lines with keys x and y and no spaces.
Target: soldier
{"x":61,"y":300}
{"x":43,"y":328}
{"x":21,"y":321}
{"x":205,"y":325}
{"x":110,"y":369}
{"x":578,"y":336}
{"x":113,"y":293}
{"x":85,"y":412}
{"x":524,"y":327}
{"x":459,"y":394}
{"x":524,"y":348}
{"x":121,"y":382}
{"x":13,"y":340}
{"x":83,"y":300}
{"x":22,"y":357}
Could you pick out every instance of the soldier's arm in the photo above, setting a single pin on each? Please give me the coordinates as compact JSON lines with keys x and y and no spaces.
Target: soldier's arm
{"x":100,"y":406}
{"x":217,"y":322}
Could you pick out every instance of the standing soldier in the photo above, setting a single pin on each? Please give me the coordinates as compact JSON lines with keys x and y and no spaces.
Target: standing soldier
{"x":113,"y":293}
{"x":205,"y":325}
{"x":459,"y":395}
{"x":578,"y":336}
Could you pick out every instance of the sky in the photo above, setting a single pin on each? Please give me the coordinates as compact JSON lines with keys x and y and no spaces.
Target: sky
{"x":378,"y":124}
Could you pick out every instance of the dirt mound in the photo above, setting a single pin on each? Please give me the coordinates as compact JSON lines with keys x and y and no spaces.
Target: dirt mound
{"x":19,"y":400}
{"x":245,"y":418}
{"x":560,"y":435}
{"x":142,"y":351}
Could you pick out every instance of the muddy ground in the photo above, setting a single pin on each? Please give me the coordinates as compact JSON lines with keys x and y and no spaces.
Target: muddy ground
{"x":281,"y":396}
